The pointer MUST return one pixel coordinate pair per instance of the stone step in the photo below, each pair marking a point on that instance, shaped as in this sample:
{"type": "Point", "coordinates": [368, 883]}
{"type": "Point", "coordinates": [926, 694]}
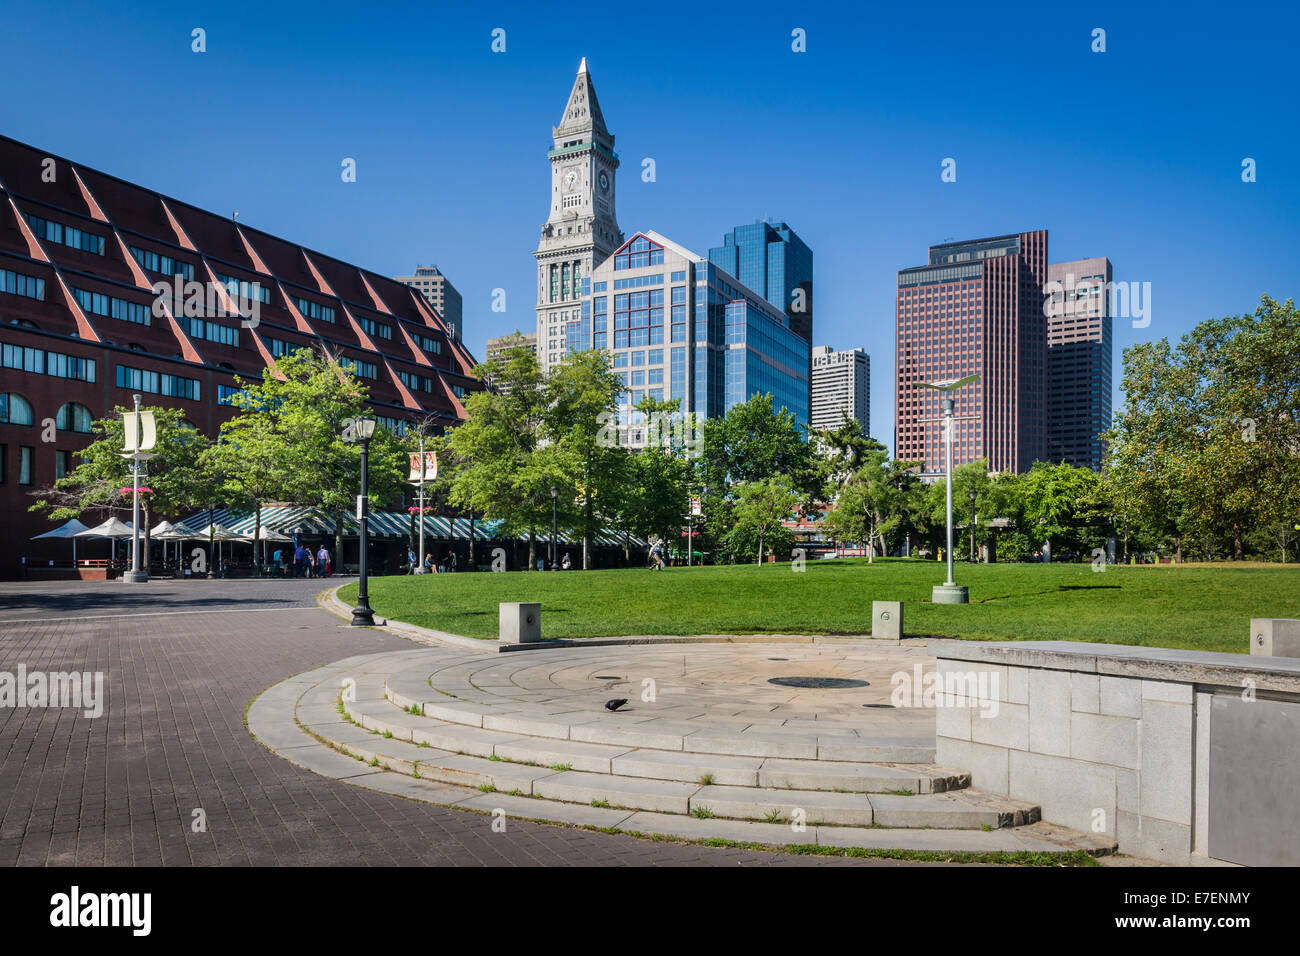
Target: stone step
{"type": "Point", "coordinates": [962, 809]}
{"type": "Point", "coordinates": [834, 742]}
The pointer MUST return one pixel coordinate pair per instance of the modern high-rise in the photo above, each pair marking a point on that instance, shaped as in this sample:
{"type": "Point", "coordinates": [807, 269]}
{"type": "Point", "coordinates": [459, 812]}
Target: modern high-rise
{"type": "Point", "coordinates": [582, 229]}
{"type": "Point", "coordinates": [841, 386]}
{"type": "Point", "coordinates": [1079, 350]}
{"type": "Point", "coordinates": [975, 308]}
{"type": "Point", "coordinates": [440, 293]}
{"type": "Point", "coordinates": [108, 289]}
{"type": "Point", "coordinates": [771, 259]}
{"type": "Point", "coordinates": [679, 327]}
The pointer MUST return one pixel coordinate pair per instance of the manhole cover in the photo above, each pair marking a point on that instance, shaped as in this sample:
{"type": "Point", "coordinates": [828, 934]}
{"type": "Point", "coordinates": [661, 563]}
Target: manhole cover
{"type": "Point", "coordinates": [818, 683]}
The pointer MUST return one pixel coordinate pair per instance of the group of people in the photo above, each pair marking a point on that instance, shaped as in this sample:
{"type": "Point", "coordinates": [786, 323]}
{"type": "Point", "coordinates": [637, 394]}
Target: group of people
{"type": "Point", "coordinates": [305, 562]}
{"type": "Point", "coordinates": [447, 564]}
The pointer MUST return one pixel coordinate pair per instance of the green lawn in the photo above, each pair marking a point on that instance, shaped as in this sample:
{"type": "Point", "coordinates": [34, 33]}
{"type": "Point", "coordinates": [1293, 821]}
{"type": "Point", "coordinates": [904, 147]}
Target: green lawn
{"type": "Point", "coordinates": [1194, 607]}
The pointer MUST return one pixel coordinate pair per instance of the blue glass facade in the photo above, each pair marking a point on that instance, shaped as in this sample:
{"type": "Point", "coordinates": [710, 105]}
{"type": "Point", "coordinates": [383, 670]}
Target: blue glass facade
{"type": "Point", "coordinates": [680, 327]}
{"type": "Point", "coordinates": [771, 259]}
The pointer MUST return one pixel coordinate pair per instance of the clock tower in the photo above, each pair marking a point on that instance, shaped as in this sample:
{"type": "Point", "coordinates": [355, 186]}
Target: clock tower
{"type": "Point", "coordinates": [581, 230]}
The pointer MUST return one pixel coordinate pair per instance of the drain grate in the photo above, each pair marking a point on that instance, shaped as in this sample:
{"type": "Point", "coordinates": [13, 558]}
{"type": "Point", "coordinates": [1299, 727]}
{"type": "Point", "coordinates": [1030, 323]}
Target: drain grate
{"type": "Point", "coordinates": [885, 706]}
{"type": "Point", "coordinates": [818, 683]}
{"type": "Point", "coordinates": [605, 677]}
{"type": "Point", "coordinates": [778, 658]}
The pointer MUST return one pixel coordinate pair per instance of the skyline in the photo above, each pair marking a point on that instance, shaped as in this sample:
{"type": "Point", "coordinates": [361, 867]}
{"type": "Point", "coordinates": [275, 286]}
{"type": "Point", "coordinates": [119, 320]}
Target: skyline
{"type": "Point", "coordinates": [1156, 188]}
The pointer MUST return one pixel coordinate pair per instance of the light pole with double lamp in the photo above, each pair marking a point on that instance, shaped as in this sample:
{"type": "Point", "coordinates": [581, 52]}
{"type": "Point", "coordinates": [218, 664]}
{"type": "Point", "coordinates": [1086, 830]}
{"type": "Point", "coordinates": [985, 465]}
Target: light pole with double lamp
{"type": "Point", "coordinates": [555, 495]}
{"type": "Point", "coordinates": [949, 592]}
{"type": "Point", "coordinates": [362, 429]}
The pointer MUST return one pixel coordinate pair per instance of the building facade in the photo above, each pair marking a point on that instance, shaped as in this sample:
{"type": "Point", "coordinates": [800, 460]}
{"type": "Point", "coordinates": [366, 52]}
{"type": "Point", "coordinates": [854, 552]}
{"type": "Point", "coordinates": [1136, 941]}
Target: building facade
{"type": "Point", "coordinates": [96, 304]}
{"type": "Point", "coordinates": [771, 259]}
{"type": "Point", "coordinates": [975, 308]}
{"type": "Point", "coordinates": [841, 386]}
{"type": "Point", "coordinates": [678, 327]}
{"type": "Point", "coordinates": [441, 294]}
{"type": "Point", "coordinates": [1079, 359]}
{"type": "Point", "coordinates": [582, 228]}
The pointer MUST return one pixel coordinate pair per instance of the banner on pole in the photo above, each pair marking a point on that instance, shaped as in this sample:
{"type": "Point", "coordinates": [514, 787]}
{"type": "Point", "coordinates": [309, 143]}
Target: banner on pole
{"type": "Point", "coordinates": [695, 506]}
{"type": "Point", "coordinates": [430, 470]}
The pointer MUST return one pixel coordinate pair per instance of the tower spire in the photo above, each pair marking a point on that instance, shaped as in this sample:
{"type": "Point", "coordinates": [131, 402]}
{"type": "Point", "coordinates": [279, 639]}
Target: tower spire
{"type": "Point", "coordinates": [582, 113]}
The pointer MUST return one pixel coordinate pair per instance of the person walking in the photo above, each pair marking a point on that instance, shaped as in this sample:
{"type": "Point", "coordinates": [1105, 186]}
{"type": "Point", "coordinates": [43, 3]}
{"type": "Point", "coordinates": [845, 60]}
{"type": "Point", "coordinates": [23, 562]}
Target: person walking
{"type": "Point", "coordinates": [299, 562]}
{"type": "Point", "coordinates": [322, 561]}
{"type": "Point", "coordinates": [657, 555]}
{"type": "Point", "coordinates": [410, 561]}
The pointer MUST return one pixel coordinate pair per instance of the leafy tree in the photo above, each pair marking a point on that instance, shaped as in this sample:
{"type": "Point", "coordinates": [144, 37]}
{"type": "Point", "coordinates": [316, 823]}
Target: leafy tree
{"type": "Point", "coordinates": [292, 422]}
{"type": "Point", "coordinates": [760, 508]}
{"type": "Point", "coordinates": [506, 469]}
{"type": "Point", "coordinates": [175, 475]}
{"type": "Point", "coordinates": [581, 402]}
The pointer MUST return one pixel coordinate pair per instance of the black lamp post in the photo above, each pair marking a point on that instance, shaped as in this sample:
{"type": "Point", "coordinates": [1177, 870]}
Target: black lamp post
{"type": "Point", "coordinates": [362, 430]}
{"type": "Point", "coordinates": [972, 493]}
{"type": "Point", "coordinates": [555, 495]}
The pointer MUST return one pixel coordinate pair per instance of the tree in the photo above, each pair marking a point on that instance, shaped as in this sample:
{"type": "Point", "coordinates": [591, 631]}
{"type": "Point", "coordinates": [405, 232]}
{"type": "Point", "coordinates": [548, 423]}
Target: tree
{"type": "Point", "coordinates": [293, 418]}
{"type": "Point", "coordinates": [875, 500]}
{"type": "Point", "coordinates": [506, 471]}
{"type": "Point", "coordinates": [1206, 444]}
{"type": "Point", "coordinates": [581, 400]}
{"type": "Point", "coordinates": [175, 475]}
{"type": "Point", "coordinates": [761, 506]}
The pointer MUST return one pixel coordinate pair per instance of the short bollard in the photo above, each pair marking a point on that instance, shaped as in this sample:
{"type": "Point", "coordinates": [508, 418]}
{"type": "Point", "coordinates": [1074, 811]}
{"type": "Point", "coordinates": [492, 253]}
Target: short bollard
{"type": "Point", "coordinates": [887, 620]}
{"type": "Point", "coordinates": [1275, 636]}
{"type": "Point", "coordinates": [519, 623]}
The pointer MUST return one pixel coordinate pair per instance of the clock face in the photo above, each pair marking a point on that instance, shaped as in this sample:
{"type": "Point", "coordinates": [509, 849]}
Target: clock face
{"type": "Point", "coordinates": [604, 181]}
{"type": "Point", "coordinates": [571, 179]}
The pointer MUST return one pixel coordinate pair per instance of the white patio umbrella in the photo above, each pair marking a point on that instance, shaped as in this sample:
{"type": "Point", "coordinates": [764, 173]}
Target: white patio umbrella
{"type": "Point", "coordinates": [216, 532]}
{"type": "Point", "coordinates": [268, 534]}
{"type": "Point", "coordinates": [111, 529]}
{"type": "Point", "coordinates": [69, 530]}
{"type": "Point", "coordinates": [160, 532]}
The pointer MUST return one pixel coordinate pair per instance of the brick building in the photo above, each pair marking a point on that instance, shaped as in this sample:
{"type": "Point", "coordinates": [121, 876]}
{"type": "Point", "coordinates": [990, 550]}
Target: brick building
{"type": "Point", "coordinates": [82, 329]}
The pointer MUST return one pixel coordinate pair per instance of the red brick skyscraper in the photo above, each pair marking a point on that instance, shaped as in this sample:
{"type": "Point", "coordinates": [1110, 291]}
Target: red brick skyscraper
{"type": "Point", "coordinates": [976, 307]}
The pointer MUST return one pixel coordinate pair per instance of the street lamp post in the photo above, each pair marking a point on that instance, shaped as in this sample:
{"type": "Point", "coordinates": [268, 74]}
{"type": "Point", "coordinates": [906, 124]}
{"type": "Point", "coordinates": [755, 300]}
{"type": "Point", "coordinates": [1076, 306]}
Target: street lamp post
{"type": "Point", "coordinates": [949, 592]}
{"type": "Point", "coordinates": [138, 432]}
{"type": "Point", "coordinates": [362, 429]}
{"type": "Point", "coordinates": [972, 494]}
{"type": "Point", "coordinates": [419, 568]}
{"type": "Point", "coordinates": [555, 495]}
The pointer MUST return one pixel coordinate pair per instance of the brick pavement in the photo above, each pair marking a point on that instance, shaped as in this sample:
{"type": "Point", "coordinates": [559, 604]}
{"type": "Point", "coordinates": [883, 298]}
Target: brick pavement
{"type": "Point", "coordinates": [181, 662]}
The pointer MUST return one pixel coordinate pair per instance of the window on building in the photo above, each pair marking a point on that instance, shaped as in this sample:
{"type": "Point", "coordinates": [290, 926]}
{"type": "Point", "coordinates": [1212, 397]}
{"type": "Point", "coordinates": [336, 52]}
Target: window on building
{"type": "Point", "coordinates": [73, 417]}
{"type": "Point", "coordinates": [26, 458]}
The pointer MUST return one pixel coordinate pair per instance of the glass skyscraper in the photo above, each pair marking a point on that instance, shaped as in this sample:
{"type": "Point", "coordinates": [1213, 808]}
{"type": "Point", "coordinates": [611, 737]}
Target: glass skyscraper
{"type": "Point", "coordinates": [679, 327]}
{"type": "Point", "coordinates": [771, 259]}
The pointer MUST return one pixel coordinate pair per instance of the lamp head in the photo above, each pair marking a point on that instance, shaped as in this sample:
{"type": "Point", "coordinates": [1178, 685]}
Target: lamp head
{"type": "Point", "coordinates": [365, 427]}
{"type": "Point", "coordinates": [555, 492]}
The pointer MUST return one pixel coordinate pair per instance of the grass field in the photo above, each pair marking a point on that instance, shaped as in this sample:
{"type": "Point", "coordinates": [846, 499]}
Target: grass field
{"type": "Point", "coordinates": [1204, 607]}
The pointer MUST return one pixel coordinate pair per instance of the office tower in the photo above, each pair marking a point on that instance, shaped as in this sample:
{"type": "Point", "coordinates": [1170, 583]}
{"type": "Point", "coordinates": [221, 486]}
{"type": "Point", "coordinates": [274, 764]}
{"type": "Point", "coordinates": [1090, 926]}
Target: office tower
{"type": "Point", "coordinates": [582, 228]}
{"type": "Point", "coordinates": [841, 385]}
{"type": "Point", "coordinates": [678, 327]}
{"type": "Point", "coordinates": [1078, 360]}
{"type": "Point", "coordinates": [975, 308]}
{"type": "Point", "coordinates": [771, 259]}
{"type": "Point", "coordinates": [440, 293]}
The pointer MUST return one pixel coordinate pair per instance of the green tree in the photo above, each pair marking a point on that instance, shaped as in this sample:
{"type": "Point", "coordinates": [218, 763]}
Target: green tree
{"type": "Point", "coordinates": [175, 474]}
{"type": "Point", "coordinates": [581, 401]}
{"type": "Point", "coordinates": [760, 508]}
{"type": "Point", "coordinates": [292, 421]}
{"type": "Point", "coordinates": [505, 470]}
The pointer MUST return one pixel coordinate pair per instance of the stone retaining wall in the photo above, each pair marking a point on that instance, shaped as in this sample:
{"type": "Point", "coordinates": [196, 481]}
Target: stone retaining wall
{"type": "Point", "coordinates": [1116, 740]}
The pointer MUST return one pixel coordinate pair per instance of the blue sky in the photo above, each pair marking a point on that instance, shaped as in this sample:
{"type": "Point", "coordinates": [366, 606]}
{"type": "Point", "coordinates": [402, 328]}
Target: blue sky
{"type": "Point", "coordinates": [1134, 153]}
